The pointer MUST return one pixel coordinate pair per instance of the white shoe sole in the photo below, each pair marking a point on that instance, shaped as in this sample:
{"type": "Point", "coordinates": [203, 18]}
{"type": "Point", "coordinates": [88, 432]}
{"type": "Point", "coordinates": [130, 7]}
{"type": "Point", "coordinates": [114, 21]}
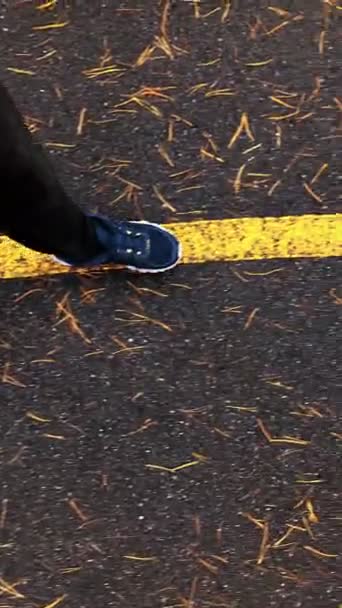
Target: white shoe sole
{"type": "Point", "coordinates": [133, 268]}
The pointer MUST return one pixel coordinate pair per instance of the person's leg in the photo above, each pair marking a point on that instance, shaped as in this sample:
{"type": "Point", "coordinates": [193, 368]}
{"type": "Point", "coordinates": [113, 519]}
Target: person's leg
{"type": "Point", "coordinates": [35, 211]}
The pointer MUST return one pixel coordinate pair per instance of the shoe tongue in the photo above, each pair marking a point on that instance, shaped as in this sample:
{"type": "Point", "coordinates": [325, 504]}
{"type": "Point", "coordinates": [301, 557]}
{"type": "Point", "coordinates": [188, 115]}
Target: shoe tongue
{"type": "Point", "coordinates": [123, 240]}
{"type": "Point", "coordinates": [115, 237]}
{"type": "Point", "coordinates": [132, 242]}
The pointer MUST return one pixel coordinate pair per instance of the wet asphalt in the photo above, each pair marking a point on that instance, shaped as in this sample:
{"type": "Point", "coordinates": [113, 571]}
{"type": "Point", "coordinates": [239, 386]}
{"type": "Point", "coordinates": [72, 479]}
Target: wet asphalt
{"type": "Point", "coordinates": [110, 383]}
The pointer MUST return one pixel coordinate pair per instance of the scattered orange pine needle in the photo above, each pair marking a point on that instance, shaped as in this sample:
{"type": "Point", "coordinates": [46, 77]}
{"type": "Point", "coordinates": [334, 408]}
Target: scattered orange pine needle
{"type": "Point", "coordinates": [128, 349]}
{"type": "Point", "coordinates": [164, 18]}
{"type": "Point", "coordinates": [205, 154]}
{"type": "Point", "coordinates": [200, 457]}
{"type": "Point", "coordinates": [187, 122]}
{"type": "Point", "coordinates": [304, 116]}
{"type": "Point", "coordinates": [180, 467]}
{"type": "Point", "coordinates": [197, 87]}
{"type": "Point", "coordinates": [252, 148]}
{"type": "Point", "coordinates": [280, 384]}
{"type": "Point", "coordinates": [274, 187]}
{"type": "Point", "coordinates": [284, 537]}
{"type": "Point", "coordinates": [52, 436]}
{"type": "Point", "coordinates": [258, 64]}
{"type": "Point", "coordinates": [81, 120]}
{"type": "Point", "coordinates": [95, 353]}
{"type": "Point", "coordinates": [64, 308]}
{"type": "Point", "coordinates": [294, 527]}
{"type": "Point", "coordinates": [189, 603]}
{"type": "Point", "coordinates": [47, 55]}
{"type": "Point", "coordinates": [70, 570]}
{"type": "Point", "coordinates": [257, 522]}
{"type": "Point", "coordinates": [7, 378]}
{"type": "Point", "coordinates": [321, 42]}
{"type": "Point", "coordinates": [319, 553]}
{"type": "Point", "coordinates": [219, 93]}
{"type": "Point", "coordinates": [220, 559]}
{"type": "Point", "coordinates": [243, 126]}
{"type": "Point", "coordinates": [309, 481]}
{"type": "Point", "coordinates": [137, 317]}
{"type": "Point", "coordinates": [307, 526]}
{"type": "Point", "coordinates": [145, 55]}
{"type": "Point", "coordinates": [48, 4]}
{"type": "Point", "coordinates": [240, 276]}
{"type": "Point", "coordinates": [281, 102]}
{"type": "Point", "coordinates": [237, 181]}
{"type": "Point", "coordinates": [263, 274]}
{"type": "Point", "coordinates": [284, 23]}
{"type": "Point", "coordinates": [196, 5]}
{"type": "Point", "coordinates": [165, 203]}
{"type": "Point", "coordinates": [198, 187]}
{"type": "Point", "coordinates": [197, 525]}
{"type": "Point", "coordinates": [165, 155]}
{"type": "Point", "coordinates": [336, 298]}
{"type": "Point", "coordinates": [285, 439]}
{"type": "Point", "coordinates": [143, 290]}
{"type": "Point", "coordinates": [278, 27]}
{"type": "Point", "coordinates": [221, 432]}
{"type": "Point", "coordinates": [33, 124]}
{"type": "Point", "coordinates": [50, 26]}
{"type": "Point", "coordinates": [209, 13]}
{"type": "Point", "coordinates": [236, 310]}
{"type": "Point", "coordinates": [264, 545]}
{"type": "Point", "coordinates": [313, 194]}
{"type": "Point", "coordinates": [92, 73]}
{"type": "Point", "coordinates": [21, 71]}
{"type": "Point", "coordinates": [56, 602]}
{"type": "Point", "coordinates": [138, 558]}
{"type": "Point", "coordinates": [211, 142]}
{"type": "Point", "coordinates": [250, 318]}
{"type": "Point", "coordinates": [143, 104]}
{"type": "Point", "coordinates": [242, 408]}
{"type": "Point", "coordinates": [170, 130]}
{"type": "Point", "coordinates": [213, 569]}
{"type": "Point", "coordinates": [210, 62]}
{"type": "Point", "coordinates": [146, 425]}
{"type": "Point", "coordinates": [119, 342]}
{"type": "Point", "coordinates": [307, 412]}
{"type": "Point", "coordinates": [163, 43]}
{"type": "Point", "coordinates": [56, 144]}
{"type": "Point", "coordinates": [227, 4]}
{"type": "Point", "coordinates": [278, 11]}
{"type": "Point", "coordinates": [318, 173]}
{"type": "Point", "coordinates": [313, 518]}
{"type": "Point", "coordinates": [128, 182]}
{"type": "Point", "coordinates": [36, 417]}
{"type": "Point", "coordinates": [74, 506]}
{"type": "Point", "coordinates": [10, 589]}
{"type": "Point", "coordinates": [154, 92]}
{"type": "Point", "coordinates": [3, 514]}
{"type": "Point", "coordinates": [89, 295]}
{"type": "Point", "coordinates": [26, 294]}
{"type": "Point", "coordinates": [283, 116]}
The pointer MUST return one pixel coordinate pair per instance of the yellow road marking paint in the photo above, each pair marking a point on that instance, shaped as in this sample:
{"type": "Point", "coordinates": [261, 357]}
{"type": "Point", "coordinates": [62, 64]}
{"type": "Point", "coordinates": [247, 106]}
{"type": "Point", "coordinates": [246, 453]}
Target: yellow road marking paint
{"type": "Point", "coordinates": [304, 236]}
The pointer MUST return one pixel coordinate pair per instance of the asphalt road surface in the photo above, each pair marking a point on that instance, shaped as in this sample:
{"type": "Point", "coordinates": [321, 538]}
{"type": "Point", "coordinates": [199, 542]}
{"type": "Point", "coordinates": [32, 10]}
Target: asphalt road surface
{"type": "Point", "coordinates": [176, 441]}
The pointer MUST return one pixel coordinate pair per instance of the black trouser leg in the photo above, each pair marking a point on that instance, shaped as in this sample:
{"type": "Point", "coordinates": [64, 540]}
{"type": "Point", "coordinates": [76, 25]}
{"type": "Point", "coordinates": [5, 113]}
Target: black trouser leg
{"type": "Point", "coordinates": [34, 209]}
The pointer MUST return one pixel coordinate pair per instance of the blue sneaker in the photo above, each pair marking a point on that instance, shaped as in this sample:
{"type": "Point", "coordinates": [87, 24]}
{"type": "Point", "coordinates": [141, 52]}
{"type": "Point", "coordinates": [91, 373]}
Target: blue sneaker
{"type": "Point", "coordinates": [138, 246]}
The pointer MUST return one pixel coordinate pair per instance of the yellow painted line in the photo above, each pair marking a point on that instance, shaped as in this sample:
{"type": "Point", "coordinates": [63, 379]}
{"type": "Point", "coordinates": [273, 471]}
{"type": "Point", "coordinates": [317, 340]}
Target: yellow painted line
{"type": "Point", "coordinates": [304, 236]}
